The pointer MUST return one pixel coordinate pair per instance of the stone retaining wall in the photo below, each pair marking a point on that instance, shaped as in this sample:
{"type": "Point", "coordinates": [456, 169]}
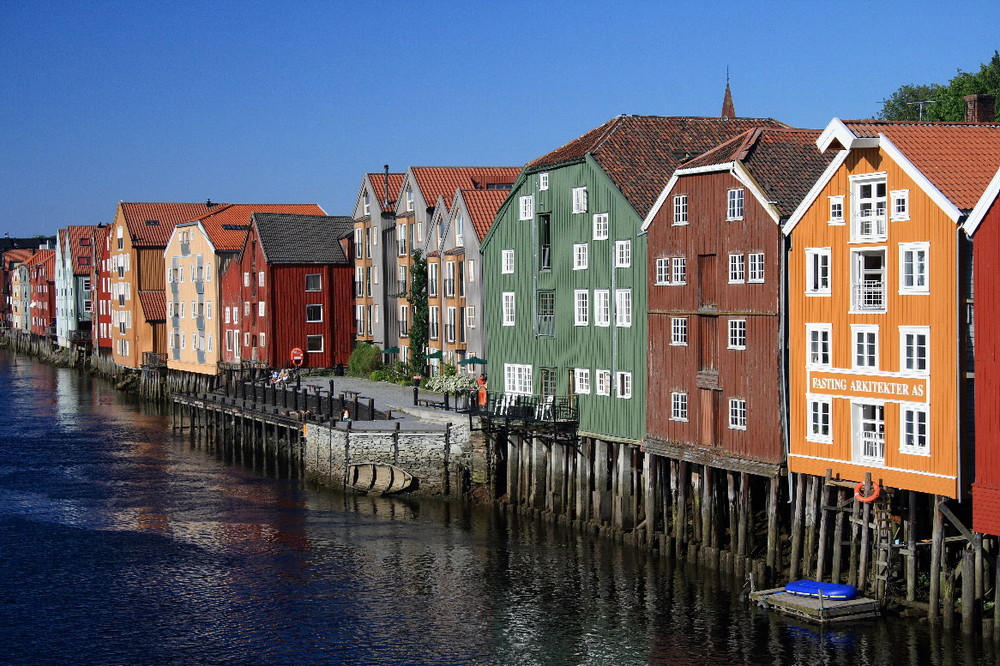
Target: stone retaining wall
{"type": "Point", "coordinates": [439, 458]}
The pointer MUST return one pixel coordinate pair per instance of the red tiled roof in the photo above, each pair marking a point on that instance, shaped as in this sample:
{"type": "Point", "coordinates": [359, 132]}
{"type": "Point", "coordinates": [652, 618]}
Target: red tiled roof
{"type": "Point", "coordinates": [40, 257]}
{"type": "Point", "coordinates": [227, 225]}
{"type": "Point", "coordinates": [483, 206]}
{"type": "Point", "coordinates": [165, 215]}
{"type": "Point", "coordinates": [437, 182]}
{"type": "Point", "coordinates": [785, 162]}
{"type": "Point", "coordinates": [640, 153]}
{"type": "Point", "coordinates": [959, 159]}
{"type": "Point", "coordinates": [76, 234]}
{"type": "Point", "coordinates": [154, 305]}
{"type": "Point", "coordinates": [16, 256]}
{"type": "Point", "coordinates": [378, 185]}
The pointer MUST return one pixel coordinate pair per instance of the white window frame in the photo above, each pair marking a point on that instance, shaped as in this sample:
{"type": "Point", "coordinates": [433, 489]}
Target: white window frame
{"type": "Point", "coordinates": [470, 316]}
{"type": "Point", "coordinates": [623, 384]}
{"type": "Point", "coordinates": [837, 210]}
{"type": "Point", "coordinates": [581, 307]}
{"type": "Point", "coordinates": [527, 207]}
{"type": "Point", "coordinates": [623, 253]}
{"type": "Point", "coordinates": [864, 330]}
{"type": "Point", "coordinates": [737, 334]}
{"type": "Point", "coordinates": [857, 443]}
{"type": "Point", "coordinates": [905, 347]}
{"type": "Point", "coordinates": [581, 256]}
{"type": "Point", "coordinates": [315, 305]}
{"type": "Point", "coordinates": [581, 381]}
{"type": "Point", "coordinates": [601, 226]}
{"type": "Point", "coordinates": [899, 205]}
{"type": "Point", "coordinates": [517, 378]}
{"type": "Point", "coordinates": [735, 201]}
{"type": "Point", "coordinates": [818, 271]}
{"type": "Point", "coordinates": [908, 253]}
{"type": "Point", "coordinates": [322, 343]}
{"type": "Point", "coordinates": [579, 200]}
{"type": "Point", "coordinates": [680, 210]}
{"type": "Point", "coordinates": [819, 345]}
{"type": "Point", "coordinates": [905, 410]}
{"type": "Point", "coordinates": [434, 322]}
{"type": "Point", "coordinates": [543, 180]}
{"type": "Point", "coordinates": [602, 307]}
{"type": "Point", "coordinates": [819, 414]}
{"type": "Point", "coordinates": [260, 278]}
{"type": "Point", "coordinates": [507, 262]}
{"type": "Point", "coordinates": [678, 406]}
{"type": "Point", "coordinates": [737, 414]}
{"type": "Point", "coordinates": [623, 308]}
{"type": "Point", "coordinates": [880, 228]}
{"type": "Point", "coordinates": [755, 267]}
{"type": "Point", "coordinates": [678, 270]}
{"type": "Point", "coordinates": [602, 382]}
{"type": "Point", "coordinates": [678, 331]}
{"type": "Point", "coordinates": [662, 276]}
{"type": "Point", "coordinates": [509, 308]}
{"type": "Point", "coordinates": [737, 269]}
{"type": "Point", "coordinates": [260, 309]}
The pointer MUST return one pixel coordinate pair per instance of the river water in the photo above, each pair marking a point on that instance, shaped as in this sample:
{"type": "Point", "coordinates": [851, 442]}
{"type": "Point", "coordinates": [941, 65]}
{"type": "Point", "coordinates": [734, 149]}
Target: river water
{"type": "Point", "coordinates": [122, 544]}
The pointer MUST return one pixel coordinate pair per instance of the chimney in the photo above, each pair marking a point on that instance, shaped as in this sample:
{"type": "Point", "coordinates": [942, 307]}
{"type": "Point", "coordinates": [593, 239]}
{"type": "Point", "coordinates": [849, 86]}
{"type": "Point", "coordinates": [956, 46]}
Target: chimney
{"type": "Point", "coordinates": [980, 108]}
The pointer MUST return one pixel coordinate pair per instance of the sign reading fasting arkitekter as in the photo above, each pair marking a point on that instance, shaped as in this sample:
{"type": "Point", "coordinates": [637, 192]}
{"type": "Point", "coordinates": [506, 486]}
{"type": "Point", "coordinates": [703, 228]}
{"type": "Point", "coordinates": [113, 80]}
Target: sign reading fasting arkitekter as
{"type": "Point", "coordinates": [850, 384]}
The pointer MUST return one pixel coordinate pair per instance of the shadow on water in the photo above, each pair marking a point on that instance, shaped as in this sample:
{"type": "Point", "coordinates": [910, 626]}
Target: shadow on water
{"type": "Point", "coordinates": [122, 543]}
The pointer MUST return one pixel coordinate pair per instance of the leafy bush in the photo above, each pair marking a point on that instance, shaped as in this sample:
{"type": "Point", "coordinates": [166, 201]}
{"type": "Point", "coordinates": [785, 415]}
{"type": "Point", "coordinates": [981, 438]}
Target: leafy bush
{"type": "Point", "coordinates": [378, 376]}
{"type": "Point", "coordinates": [448, 369]}
{"type": "Point", "coordinates": [364, 360]}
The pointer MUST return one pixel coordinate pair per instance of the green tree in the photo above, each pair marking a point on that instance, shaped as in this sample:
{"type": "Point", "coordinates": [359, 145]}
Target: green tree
{"type": "Point", "coordinates": [417, 298]}
{"type": "Point", "coordinates": [905, 103]}
{"type": "Point", "coordinates": [948, 100]}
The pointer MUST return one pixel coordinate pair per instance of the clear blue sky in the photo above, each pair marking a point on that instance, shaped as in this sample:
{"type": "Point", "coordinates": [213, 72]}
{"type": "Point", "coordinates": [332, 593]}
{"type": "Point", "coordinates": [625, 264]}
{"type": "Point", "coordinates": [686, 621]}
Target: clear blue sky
{"type": "Point", "coordinates": [275, 102]}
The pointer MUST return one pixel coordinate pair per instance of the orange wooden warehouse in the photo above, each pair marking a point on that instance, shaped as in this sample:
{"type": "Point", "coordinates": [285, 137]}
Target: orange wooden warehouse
{"type": "Point", "coordinates": [877, 296]}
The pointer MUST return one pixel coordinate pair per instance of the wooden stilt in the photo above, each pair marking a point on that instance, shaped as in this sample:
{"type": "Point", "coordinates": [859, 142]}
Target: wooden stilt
{"type": "Point", "coordinates": [838, 536]}
{"type": "Point", "coordinates": [948, 599]}
{"type": "Point", "coordinates": [911, 547]}
{"type": "Point", "coordinates": [810, 524]}
{"type": "Point", "coordinates": [680, 509]}
{"type": "Point", "coordinates": [866, 516]}
{"type": "Point", "coordinates": [733, 512]}
{"type": "Point", "coordinates": [798, 506]}
{"type": "Point", "coordinates": [772, 526]}
{"type": "Point", "coordinates": [707, 522]}
{"type": "Point", "coordinates": [968, 591]}
{"type": "Point", "coordinates": [937, 538]}
{"type": "Point", "coordinates": [996, 599]}
{"type": "Point", "coordinates": [745, 511]}
{"type": "Point", "coordinates": [821, 550]}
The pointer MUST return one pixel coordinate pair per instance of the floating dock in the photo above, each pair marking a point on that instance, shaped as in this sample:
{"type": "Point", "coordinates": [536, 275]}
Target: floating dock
{"type": "Point", "coordinates": [822, 611]}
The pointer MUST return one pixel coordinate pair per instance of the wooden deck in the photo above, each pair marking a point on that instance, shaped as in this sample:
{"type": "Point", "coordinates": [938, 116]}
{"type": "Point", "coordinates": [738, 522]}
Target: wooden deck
{"type": "Point", "coordinates": [821, 611]}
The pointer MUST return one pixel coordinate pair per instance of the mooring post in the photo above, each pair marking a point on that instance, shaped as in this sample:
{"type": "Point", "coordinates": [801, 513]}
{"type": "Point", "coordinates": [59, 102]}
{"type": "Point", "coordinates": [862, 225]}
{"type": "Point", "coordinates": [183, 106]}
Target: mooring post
{"type": "Point", "coordinates": [838, 535]}
{"type": "Point", "coordinates": [371, 409]}
{"type": "Point", "coordinates": [866, 515]}
{"type": "Point", "coordinates": [911, 546]}
{"type": "Point", "coordinates": [821, 550]}
{"type": "Point", "coordinates": [810, 523]}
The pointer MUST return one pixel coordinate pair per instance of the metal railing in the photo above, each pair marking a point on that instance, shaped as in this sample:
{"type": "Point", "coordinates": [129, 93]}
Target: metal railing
{"type": "Point", "coordinates": [154, 360]}
{"type": "Point", "coordinates": [532, 408]}
{"type": "Point", "coordinates": [871, 226]}
{"type": "Point", "coordinates": [869, 295]}
{"type": "Point", "coordinates": [873, 445]}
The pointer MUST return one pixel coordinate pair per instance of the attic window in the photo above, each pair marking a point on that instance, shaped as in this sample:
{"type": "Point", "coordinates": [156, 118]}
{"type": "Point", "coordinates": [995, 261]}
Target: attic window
{"type": "Point", "coordinates": [152, 223]}
{"type": "Point", "coordinates": [84, 241]}
{"type": "Point", "coordinates": [235, 227]}
{"type": "Point", "coordinates": [499, 186]}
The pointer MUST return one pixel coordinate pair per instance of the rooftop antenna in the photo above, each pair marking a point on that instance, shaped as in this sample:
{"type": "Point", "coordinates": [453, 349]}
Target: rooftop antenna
{"type": "Point", "coordinates": [920, 106]}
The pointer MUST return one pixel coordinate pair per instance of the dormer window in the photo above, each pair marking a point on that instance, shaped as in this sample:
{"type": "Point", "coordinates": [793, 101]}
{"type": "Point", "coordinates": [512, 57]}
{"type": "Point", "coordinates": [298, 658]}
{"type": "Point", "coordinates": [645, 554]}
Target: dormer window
{"type": "Point", "coordinates": [459, 230]}
{"type": "Point", "coordinates": [367, 205]}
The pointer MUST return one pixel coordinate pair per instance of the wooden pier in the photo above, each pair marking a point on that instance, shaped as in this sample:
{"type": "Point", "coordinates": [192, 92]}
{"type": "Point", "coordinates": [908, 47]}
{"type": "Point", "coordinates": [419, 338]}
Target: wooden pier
{"type": "Point", "coordinates": [818, 610]}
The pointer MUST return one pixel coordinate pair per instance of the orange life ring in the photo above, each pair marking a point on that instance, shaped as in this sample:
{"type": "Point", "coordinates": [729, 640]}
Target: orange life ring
{"type": "Point", "coordinates": [858, 489]}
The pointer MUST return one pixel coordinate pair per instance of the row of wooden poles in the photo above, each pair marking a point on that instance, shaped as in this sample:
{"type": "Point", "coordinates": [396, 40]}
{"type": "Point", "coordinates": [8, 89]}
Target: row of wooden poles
{"type": "Point", "coordinates": [903, 547]}
{"type": "Point", "coordinates": [271, 445]}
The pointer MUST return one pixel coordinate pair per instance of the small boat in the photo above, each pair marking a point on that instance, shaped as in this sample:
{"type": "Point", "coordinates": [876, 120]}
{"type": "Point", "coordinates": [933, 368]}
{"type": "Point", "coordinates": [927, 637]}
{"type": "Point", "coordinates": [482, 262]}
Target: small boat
{"type": "Point", "coordinates": [378, 478]}
{"type": "Point", "coordinates": [819, 590]}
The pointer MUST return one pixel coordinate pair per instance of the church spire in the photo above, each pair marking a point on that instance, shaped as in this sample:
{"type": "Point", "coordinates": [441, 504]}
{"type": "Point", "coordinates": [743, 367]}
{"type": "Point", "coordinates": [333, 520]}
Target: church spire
{"type": "Point", "coordinates": [728, 110]}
